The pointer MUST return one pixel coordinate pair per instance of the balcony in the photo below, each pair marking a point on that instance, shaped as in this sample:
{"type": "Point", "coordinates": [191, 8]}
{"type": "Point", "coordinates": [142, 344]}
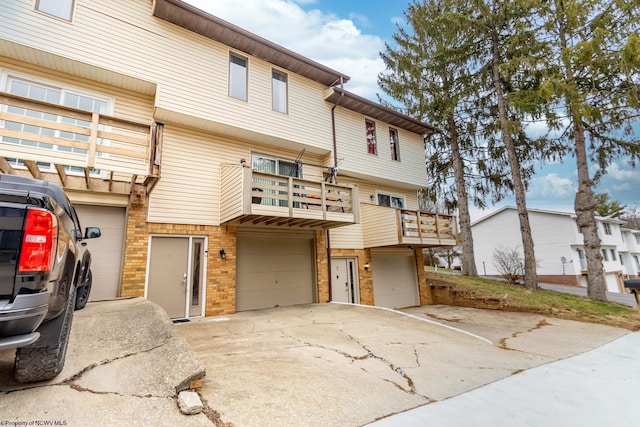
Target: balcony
{"type": "Point", "coordinates": [257, 199]}
{"type": "Point", "coordinates": [78, 149]}
{"type": "Point", "coordinates": [383, 226]}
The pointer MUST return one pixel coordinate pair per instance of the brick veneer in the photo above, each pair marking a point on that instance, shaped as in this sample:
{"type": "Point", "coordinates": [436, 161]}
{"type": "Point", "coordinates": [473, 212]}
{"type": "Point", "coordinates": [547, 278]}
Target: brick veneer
{"type": "Point", "coordinates": [221, 274]}
{"type": "Point", "coordinates": [365, 277]}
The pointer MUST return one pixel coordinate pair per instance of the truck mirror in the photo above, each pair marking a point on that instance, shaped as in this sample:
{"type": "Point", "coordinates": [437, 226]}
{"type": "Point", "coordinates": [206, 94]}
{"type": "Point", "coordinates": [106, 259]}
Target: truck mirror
{"type": "Point", "coordinates": [92, 233]}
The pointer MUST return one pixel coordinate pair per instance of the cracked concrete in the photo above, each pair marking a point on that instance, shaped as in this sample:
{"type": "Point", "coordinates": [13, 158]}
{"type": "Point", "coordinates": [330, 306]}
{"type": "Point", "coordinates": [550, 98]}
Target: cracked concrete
{"type": "Point", "coordinates": [332, 364]}
{"type": "Point", "coordinates": [125, 363]}
{"type": "Point", "coordinates": [322, 364]}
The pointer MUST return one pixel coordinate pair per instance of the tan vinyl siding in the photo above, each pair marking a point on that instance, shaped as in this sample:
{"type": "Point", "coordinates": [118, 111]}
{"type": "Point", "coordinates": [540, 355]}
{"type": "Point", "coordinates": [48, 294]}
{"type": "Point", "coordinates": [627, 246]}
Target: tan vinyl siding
{"type": "Point", "coordinates": [353, 236]}
{"type": "Point", "coordinates": [122, 36]}
{"type": "Point", "coordinates": [349, 237]}
{"type": "Point", "coordinates": [352, 148]}
{"type": "Point", "coordinates": [189, 190]}
{"type": "Point", "coordinates": [127, 105]}
{"type": "Point", "coordinates": [367, 188]}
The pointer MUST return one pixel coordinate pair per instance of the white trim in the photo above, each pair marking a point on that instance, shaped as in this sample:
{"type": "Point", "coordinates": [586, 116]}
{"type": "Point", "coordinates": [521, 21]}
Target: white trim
{"type": "Point", "coordinates": [190, 238]}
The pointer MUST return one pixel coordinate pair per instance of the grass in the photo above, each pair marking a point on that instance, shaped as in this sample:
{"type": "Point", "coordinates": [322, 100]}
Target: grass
{"type": "Point", "coordinates": [555, 304]}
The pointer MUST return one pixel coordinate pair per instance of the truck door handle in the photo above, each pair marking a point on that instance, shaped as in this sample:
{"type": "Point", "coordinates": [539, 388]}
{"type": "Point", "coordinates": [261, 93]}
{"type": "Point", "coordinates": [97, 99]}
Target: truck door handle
{"type": "Point", "coordinates": [184, 279]}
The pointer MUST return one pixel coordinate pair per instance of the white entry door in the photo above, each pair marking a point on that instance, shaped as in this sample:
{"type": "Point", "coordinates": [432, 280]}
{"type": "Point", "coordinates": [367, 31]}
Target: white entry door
{"type": "Point", "coordinates": [344, 280]}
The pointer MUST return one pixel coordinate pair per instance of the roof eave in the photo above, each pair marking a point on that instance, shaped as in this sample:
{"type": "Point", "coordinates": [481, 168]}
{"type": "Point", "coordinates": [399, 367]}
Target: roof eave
{"type": "Point", "coordinates": [377, 111]}
{"type": "Point", "coordinates": [193, 19]}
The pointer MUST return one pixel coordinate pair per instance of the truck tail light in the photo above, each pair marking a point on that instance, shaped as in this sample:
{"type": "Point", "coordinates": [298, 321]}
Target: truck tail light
{"type": "Point", "coordinates": [39, 241]}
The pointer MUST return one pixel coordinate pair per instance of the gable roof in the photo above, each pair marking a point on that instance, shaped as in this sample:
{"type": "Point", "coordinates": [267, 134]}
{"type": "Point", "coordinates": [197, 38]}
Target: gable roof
{"type": "Point", "coordinates": [191, 18]}
{"type": "Point", "coordinates": [374, 110]}
{"type": "Point", "coordinates": [547, 212]}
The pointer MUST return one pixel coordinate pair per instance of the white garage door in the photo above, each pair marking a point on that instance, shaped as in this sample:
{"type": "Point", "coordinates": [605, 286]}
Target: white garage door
{"type": "Point", "coordinates": [394, 279]}
{"type": "Point", "coordinates": [106, 251]}
{"type": "Point", "coordinates": [274, 271]}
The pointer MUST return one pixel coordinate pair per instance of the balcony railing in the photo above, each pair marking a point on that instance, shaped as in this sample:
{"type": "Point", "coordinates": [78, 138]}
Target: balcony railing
{"type": "Point", "coordinates": [250, 198]}
{"type": "Point", "coordinates": [48, 138]}
{"type": "Point", "coordinates": [384, 226]}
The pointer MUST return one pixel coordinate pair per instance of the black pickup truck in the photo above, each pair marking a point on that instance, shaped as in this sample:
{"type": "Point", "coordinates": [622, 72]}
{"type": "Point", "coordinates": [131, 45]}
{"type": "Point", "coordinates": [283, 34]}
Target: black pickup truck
{"type": "Point", "coordinates": [44, 274]}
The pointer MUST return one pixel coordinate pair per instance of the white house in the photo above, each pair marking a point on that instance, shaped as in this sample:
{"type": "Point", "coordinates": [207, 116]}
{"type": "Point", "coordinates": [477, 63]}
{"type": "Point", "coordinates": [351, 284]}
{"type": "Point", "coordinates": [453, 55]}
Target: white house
{"type": "Point", "coordinates": [559, 246]}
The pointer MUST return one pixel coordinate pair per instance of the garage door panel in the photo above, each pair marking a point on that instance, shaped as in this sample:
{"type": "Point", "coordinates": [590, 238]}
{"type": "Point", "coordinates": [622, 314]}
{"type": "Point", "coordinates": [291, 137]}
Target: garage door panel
{"type": "Point", "coordinates": [106, 251]}
{"type": "Point", "coordinates": [274, 271]}
{"type": "Point", "coordinates": [394, 280]}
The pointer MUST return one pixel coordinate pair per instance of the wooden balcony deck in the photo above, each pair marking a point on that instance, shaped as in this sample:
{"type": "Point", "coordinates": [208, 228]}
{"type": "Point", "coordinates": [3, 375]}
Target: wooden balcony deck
{"type": "Point", "coordinates": [250, 198]}
{"type": "Point", "coordinates": [384, 226]}
{"type": "Point", "coordinates": [78, 149]}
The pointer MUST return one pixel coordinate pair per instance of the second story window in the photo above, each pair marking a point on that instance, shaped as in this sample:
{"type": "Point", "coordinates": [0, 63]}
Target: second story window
{"type": "Point", "coordinates": [279, 91]}
{"type": "Point", "coordinates": [393, 144]}
{"type": "Point", "coordinates": [607, 228]}
{"type": "Point", "coordinates": [372, 146]}
{"type": "Point", "coordinates": [59, 8]}
{"type": "Point", "coordinates": [238, 77]}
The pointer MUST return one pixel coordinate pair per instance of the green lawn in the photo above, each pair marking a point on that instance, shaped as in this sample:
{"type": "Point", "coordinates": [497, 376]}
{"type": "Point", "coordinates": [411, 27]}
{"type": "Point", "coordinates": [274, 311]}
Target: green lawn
{"type": "Point", "coordinates": [556, 304]}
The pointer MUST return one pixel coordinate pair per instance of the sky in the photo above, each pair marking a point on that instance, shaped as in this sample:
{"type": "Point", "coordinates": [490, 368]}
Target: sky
{"type": "Point", "coordinates": [348, 36]}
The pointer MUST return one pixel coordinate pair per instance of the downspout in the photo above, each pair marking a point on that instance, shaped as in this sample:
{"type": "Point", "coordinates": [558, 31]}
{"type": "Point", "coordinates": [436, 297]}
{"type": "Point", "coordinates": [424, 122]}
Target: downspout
{"type": "Point", "coordinates": [334, 174]}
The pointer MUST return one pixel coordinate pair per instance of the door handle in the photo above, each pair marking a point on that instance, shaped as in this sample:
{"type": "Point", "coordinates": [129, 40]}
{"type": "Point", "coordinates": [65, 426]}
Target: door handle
{"type": "Point", "coordinates": [184, 279]}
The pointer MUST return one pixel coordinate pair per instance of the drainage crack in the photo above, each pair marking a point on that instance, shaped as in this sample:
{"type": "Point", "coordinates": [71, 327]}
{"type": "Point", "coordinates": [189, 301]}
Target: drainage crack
{"type": "Point", "coordinates": [503, 341]}
{"type": "Point", "coordinates": [81, 389]}
{"type": "Point", "coordinates": [214, 416]}
{"type": "Point", "coordinates": [104, 362]}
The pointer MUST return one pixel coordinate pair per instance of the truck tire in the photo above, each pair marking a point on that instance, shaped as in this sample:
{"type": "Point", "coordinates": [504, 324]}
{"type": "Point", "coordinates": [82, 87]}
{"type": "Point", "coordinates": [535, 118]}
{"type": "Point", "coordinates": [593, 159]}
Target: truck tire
{"type": "Point", "coordinates": [83, 292]}
{"type": "Point", "coordinates": [40, 363]}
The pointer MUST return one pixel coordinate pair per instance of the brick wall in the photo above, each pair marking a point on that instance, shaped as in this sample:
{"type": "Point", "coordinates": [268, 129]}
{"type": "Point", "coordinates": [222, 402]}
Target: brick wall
{"type": "Point", "coordinates": [322, 267]}
{"type": "Point", "coordinates": [424, 289]}
{"type": "Point", "coordinates": [221, 274]}
{"type": "Point", "coordinates": [365, 277]}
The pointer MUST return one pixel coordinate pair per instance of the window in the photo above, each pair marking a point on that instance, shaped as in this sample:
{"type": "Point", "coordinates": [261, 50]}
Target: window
{"type": "Point", "coordinates": [277, 167]}
{"type": "Point", "coordinates": [621, 260]}
{"type": "Point", "coordinates": [238, 77]}
{"type": "Point", "coordinates": [372, 146]}
{"type": "Point", "coordinates": [59, 8]}
{"type": "Point", "coordinates": [635, 257]}
{"type": "Point", "coordinates": [604, 255]}
{"type": "Point", "coordinates": [390, 201]}
{"type": "Point", "coordinates": [279, 90]}
{"type": "Point", "coordinates": [613, 254]}
{"type": "Point", "coordinates": [56, 95]}
{"type": "Point", "coordinates": [607, 228]}
{"type": "Point", "coordinates": [393, 142]}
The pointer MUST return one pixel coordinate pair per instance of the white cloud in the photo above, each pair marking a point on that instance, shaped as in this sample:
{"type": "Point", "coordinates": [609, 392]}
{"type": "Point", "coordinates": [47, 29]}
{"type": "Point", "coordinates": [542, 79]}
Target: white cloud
{"type": "Point", "coordinates": [615, 172]}
{"type": "Point", "coordinates": [326, 38]}
{"type": "Point", "coordinates": [552, 186]}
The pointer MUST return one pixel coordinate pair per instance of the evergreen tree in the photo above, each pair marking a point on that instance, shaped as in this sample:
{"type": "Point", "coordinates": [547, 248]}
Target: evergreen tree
{"type": "Point", "coordinates": [594, 76]}
{"type": "Point", "coordinates": [428, 74]}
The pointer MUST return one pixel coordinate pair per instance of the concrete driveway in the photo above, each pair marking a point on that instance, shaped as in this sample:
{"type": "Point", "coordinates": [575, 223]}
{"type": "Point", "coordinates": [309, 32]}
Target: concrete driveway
{"type": "Point", "coordinates": [333, 364]}
{"type": "Point", "coordinates": [313, 365]}
{"type": "Point", "coordinates": [125, 361]}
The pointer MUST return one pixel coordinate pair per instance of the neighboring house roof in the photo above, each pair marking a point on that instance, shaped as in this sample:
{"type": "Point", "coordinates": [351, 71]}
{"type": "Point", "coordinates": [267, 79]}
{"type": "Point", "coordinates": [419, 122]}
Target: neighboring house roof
{"type": "Point", "coordinates": [543, 211]}
{"type": "Point", "coordinates": [374, 110]}
{"type": "Point", "coordinates": [210, 26]}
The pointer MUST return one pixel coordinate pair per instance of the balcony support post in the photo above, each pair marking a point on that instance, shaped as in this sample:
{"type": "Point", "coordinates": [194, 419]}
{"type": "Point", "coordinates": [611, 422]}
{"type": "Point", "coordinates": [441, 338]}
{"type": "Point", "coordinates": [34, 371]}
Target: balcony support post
{"type": "Point", "coordinates": [290, 197]}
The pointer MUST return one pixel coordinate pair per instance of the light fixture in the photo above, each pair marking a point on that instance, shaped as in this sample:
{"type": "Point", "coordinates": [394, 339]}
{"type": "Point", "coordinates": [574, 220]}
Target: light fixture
{"type": "Point", "coordinates": [223, 254]}
{"type": "Point", "coordinates": [242, 162]}
{"type": "Point", "coordinates": [372, 197]}
{"type": "Point", "coordinates": [366, 266]}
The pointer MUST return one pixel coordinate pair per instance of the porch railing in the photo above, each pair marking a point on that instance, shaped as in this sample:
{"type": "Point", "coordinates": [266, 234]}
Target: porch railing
{"type": "Point", "coordinates": [248, 195]}
{"type": "Point", "coordinates": [41, 133]}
